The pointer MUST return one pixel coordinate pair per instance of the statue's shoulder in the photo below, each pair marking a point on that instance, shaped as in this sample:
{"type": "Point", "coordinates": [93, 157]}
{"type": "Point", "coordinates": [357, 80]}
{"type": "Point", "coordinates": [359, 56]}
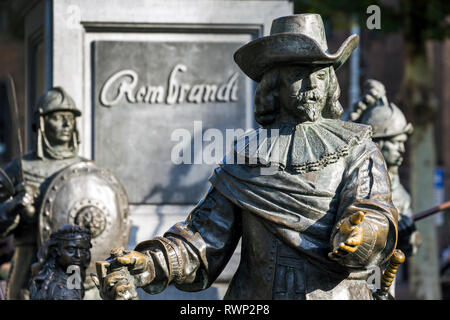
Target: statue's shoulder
{"type": "Point", "coordinates": [53, 288]}
{"type": "Point", "coordinates": [59, 291]}
{"type": "Point", "coordinates": [363, 147]}
{"type": "Point", "coordinates": [358, 136]}
{"type": "Point", "coordinates": [38, 168]}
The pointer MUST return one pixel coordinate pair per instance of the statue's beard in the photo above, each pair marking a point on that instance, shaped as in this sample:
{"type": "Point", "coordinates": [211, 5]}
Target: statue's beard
{"type": "Point", "coordinates": [310, 104]}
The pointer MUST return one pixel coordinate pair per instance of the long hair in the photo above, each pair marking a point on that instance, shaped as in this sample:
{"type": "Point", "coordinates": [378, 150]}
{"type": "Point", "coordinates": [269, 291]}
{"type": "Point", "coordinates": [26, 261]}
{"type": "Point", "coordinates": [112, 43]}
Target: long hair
{"type": "Point", "coordinates": [267, 104]}
{"type": "Point", "coordinates": [43, 270]}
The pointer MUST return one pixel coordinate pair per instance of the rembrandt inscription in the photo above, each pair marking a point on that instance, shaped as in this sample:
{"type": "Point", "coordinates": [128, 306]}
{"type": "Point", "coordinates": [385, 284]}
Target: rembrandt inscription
{"type": "Point", "coordinates": [143, 92]}
{"type": "Point", "coordinates": [129, 88]}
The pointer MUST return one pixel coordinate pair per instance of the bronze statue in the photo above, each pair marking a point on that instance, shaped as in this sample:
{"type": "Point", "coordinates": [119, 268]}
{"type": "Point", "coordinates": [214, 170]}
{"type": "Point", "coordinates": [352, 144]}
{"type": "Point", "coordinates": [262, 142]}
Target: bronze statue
{"type": "Point", "coordinates": [391, 131]}
{"type": "Point", "coordinates": [69, 246]}
{"type": "Point", "coordinates": [314, 227]}
{"type": "Point", "coordinates": [41, 192]}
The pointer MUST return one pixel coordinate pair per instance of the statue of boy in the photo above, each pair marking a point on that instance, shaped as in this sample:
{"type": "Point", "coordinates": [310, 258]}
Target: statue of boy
{"type": "Point", "coordinates": [316, 226]}
{"type": "Point", "coordinates": [66, 255]}
{"type": "Point", "coordinates": [56, 148]}
{"type": "Point", "coordinates": [391, 131]}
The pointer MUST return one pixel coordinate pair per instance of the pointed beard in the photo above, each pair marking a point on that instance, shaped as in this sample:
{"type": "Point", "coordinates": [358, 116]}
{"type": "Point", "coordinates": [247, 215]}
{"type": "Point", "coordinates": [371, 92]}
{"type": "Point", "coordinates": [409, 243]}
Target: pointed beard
{"type": "Point", "coordinates": [311, 111]}
{"type": "Point", "coordinates": [309, 103]}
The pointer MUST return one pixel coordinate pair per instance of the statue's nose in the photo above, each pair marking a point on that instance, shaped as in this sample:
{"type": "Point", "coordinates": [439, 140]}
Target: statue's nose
{"type": "Point", "coordinates": [311, 82]}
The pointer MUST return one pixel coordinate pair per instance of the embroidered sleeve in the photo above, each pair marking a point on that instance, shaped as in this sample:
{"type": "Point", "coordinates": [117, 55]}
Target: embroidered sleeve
{"type": "Point", "coordinates": [193, 253]}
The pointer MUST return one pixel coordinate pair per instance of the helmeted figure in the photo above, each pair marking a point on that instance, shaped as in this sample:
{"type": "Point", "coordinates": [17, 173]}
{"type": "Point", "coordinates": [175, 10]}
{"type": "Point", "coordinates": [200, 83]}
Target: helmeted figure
{"type": "Point", "coordinates": [24, 195]}
{"type": "Point", "coordinates": [391, 131]}
{"type": "Point", "coordinates": [68, 249]}
{"type": "Point", "coordinates": [309, 196]}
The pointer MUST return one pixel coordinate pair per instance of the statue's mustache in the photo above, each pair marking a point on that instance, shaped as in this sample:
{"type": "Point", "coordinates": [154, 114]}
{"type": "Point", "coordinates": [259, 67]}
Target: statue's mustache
{"type": "Point", "coordinates": [307, 96]}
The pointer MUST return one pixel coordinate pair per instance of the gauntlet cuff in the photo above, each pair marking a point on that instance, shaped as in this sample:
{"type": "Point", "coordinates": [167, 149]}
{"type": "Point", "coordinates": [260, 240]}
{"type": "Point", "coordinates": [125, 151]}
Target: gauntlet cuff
{"type": "Point", "coordinates": [173, 258]}
{"type": "Point", "coordinates": [171, 267]}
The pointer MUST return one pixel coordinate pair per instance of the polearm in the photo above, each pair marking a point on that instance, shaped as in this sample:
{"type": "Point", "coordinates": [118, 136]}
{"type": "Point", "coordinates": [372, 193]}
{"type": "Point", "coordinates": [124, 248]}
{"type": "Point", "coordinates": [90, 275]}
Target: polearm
{"type": "Point", "coordinates": [398, 257]}
{"type": "Point", "coordinates": [421, 215]}
{"type": "Point", "coordinates": [29, 210]}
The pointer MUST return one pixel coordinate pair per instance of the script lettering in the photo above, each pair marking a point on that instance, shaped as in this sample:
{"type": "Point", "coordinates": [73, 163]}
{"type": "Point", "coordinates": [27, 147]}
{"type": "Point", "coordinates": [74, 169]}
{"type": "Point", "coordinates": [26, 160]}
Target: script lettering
{"type": "Point", "coordinates": [124, 85]}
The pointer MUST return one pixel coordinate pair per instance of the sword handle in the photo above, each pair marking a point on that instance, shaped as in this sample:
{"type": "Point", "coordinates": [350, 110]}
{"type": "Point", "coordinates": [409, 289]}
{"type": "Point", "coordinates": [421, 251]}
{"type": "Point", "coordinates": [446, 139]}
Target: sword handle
{"type": "Point", "coordinates": [397, 258]}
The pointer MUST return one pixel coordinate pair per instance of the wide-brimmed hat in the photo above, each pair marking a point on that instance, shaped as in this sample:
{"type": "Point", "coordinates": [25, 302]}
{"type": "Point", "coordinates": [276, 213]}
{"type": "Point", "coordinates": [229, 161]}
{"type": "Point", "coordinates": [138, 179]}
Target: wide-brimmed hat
{"type": "Point", "coordinates": [298, 39]}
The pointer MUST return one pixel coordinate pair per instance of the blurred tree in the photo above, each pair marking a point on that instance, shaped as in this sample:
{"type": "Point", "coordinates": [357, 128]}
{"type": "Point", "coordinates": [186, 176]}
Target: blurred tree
{"type": "Point", "coordinates": [418, 21]}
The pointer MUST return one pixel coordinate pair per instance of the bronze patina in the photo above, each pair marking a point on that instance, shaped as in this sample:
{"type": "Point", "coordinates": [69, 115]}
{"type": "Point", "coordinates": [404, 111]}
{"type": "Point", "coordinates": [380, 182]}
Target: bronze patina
{"type": "Point", "coordinates": [391, 131]}
{"type": "Point", "coordinates": [68, 246]}
{"type": "Point", "coordinates": [57, 184]}
{"type": "Point", "coordinates": [311, 229]}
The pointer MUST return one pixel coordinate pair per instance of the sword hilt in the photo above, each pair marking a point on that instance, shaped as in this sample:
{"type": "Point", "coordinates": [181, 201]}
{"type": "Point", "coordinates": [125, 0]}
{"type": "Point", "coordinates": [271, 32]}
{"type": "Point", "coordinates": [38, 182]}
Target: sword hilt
{"type": "Point", "coordinates": [397, 258]}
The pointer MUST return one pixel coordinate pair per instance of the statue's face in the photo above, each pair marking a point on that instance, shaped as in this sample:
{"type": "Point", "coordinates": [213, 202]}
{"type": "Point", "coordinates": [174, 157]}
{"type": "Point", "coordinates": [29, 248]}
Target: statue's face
{"type": "Point", "coordinates": [303, 91]}
{"type": "Point", "coordinates": [59, 127]}
{"type": "Point", "coordinates": [73, 252]}
{"type": "Point", "coordinates": [393, 149]}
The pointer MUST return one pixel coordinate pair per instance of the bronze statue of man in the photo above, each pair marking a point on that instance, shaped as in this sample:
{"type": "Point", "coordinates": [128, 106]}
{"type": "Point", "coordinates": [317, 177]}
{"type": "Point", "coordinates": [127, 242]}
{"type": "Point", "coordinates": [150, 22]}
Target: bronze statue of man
{"type": "Point", "coordinates": [391, 131]}
{"type": "Point", "coordinates": [66, 254]}
{"type": "Point", "coordinates": [311, 229]}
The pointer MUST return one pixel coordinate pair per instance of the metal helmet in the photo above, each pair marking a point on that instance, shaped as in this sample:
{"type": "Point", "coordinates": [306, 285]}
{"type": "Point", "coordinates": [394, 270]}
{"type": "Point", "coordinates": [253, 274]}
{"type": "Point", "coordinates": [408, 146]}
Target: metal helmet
{"type": "Point", "coordinates": [56, 99]}
{"type": "Point", "coordinates": [387, 120]}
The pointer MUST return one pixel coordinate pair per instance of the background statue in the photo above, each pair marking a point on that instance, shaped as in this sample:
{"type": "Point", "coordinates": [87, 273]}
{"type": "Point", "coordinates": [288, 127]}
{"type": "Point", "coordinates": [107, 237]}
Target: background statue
{"type": "Point", "coordinates": [311, 228]}
{"type": "Point", "coordinates": [68, 246]}
{"type": "Point", "coordinates": [40, 192]}
{"type": "Point", "coordinates": [391, 131]}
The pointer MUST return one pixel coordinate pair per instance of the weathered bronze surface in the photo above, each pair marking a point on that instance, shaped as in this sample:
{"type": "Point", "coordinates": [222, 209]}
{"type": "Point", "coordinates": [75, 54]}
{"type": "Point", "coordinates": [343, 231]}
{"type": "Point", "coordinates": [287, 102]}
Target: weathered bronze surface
{"type": "Point", "coordinates": [59, 185]}
{"type": "Point", "coordinates": [314, 226]}
{"type": "Point", "coordinates": [68, 247]}
{"type": "Point", "coordinates": [391, 131]}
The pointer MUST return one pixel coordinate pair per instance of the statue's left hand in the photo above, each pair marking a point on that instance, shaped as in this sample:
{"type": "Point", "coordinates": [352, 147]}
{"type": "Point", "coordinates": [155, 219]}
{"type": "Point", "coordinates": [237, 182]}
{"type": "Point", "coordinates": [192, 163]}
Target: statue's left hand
{"type": "Point", "coordinates": [349, 236]}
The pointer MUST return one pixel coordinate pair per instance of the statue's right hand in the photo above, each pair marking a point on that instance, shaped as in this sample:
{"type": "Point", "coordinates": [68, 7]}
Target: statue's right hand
{"type": "Point", "coordinates": [140, 266]}
{"type": "Point", "coordinates": [117, 285]}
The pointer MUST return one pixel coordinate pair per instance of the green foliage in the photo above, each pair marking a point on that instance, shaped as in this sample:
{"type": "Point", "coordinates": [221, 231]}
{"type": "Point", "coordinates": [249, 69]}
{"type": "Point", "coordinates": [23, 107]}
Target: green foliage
{"type": "Point", "coordinates": [418, 20]}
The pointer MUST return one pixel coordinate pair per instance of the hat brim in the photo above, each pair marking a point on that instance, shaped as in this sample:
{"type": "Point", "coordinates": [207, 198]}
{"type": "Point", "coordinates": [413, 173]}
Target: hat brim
{"type": "Point", "coordinates": [260, 55]}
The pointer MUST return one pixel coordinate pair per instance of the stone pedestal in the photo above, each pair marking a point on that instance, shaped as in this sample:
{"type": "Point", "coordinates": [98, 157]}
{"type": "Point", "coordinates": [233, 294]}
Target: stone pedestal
{"type": "Point", "coordinates": [141, 70]}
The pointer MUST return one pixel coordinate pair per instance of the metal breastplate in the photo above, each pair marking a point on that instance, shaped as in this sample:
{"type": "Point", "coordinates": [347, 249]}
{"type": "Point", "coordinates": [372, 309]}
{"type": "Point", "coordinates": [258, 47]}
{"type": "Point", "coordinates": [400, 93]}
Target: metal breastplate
{"type": "Point", "coordinates": [39, 173]}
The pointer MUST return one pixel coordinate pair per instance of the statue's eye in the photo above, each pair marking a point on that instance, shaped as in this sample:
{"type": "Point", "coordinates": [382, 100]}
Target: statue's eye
{"type": "Point", "coordinates": [70, 250]}
{"type": "Point", "coordinates": [321, 75]}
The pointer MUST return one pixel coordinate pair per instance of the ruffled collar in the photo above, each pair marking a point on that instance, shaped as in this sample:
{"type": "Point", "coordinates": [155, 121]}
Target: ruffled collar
{"type": "Point", "coordinates": [300, 148]}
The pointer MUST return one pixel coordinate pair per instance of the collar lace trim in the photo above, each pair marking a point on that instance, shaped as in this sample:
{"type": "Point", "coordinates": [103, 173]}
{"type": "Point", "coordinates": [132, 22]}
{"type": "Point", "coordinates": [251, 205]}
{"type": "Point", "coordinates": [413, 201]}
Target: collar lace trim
{"type": "Point", "coordinates": [303, 147]}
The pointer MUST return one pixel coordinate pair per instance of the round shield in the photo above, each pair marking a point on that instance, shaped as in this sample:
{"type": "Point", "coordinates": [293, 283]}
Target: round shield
{"type": "Point", "coordinates": [89, 196]}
